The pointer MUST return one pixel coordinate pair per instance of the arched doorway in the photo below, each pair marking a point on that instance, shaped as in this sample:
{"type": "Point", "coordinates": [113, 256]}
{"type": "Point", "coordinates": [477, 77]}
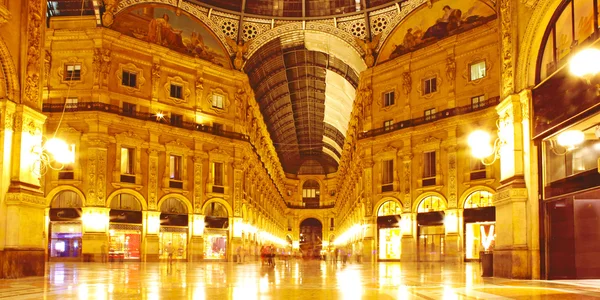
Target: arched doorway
{"type": "Point", "coordinates": [216, 234]}
{"type": "Point", "coordinates": [311, 238]}
{"type": "Point", "coordinates": [388, 229]}
{"type": "Point", "coordinates": [479, 217]}
{"type": "Point", "coordinates": [430, 230]}
{"type": "Point", "coordinates": [173, 228]}
{"type": "Point", "coordinates": [311, 193]}
{"type": "Point", "coordinates": [125, 228]}
{"type": "Point", "coordinates": [65, 230]}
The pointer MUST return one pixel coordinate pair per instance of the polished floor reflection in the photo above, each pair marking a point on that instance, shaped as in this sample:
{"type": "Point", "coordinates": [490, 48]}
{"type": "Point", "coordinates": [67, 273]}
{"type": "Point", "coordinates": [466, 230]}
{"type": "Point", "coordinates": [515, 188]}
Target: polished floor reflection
{"type": "Point", "coordinates": [298, 280]}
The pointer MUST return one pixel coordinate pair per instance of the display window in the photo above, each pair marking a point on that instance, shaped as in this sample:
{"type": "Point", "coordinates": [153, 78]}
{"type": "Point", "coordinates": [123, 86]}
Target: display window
{"type": "Point", "coordinates": [125, 242]}
{"type": "Point", "coordinates": [479, 237]}
{"type": "Point", "coordinates": [65, 240]}
{"type": "Point", "coordinates": [178, 239]}
{"type": "Point", "coordinates": [389, 243]}
{"type": "Point", "coordinates": [215, 245]}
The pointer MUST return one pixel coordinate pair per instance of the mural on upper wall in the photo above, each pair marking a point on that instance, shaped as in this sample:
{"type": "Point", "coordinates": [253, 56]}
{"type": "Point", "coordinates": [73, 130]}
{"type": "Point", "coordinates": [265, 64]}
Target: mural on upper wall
{"type": "Point", "coordinates": [429, 25]}
{"type": "Point", "coordinates": [179, 32]}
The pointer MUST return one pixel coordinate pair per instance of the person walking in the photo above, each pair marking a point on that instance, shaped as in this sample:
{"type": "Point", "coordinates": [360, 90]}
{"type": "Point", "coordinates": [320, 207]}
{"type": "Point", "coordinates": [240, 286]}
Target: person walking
{"type": "Point", "coordinates": [170, 251]}
{"type": "Point", "coordinates": [103, 252]}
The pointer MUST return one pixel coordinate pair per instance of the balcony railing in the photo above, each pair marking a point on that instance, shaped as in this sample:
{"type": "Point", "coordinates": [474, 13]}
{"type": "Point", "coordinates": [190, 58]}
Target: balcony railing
{"type": "Point", "coordinates": [114, 109]}
{"type": "Point", "coordinates": [451, 112]}
{"type": "Point", "coordinates": [309, 206]}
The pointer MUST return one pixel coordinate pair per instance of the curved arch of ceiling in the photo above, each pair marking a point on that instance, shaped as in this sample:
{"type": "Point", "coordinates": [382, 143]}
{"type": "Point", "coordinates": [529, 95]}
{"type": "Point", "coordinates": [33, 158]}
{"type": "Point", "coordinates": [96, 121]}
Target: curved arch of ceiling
{"type": "Point", "coordinates": [332, 45]}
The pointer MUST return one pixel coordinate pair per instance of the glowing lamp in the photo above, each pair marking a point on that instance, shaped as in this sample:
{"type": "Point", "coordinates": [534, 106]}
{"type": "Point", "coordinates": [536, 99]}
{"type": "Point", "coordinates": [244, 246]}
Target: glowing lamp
{"type": "Point", "coordinates": [60, 151]}
{"type": "Point", "coordinates": [570, 138]}
{"type": "Point", "coordinates": [479, 141]}
{"type": "Point", "coordinates": [586, 63]}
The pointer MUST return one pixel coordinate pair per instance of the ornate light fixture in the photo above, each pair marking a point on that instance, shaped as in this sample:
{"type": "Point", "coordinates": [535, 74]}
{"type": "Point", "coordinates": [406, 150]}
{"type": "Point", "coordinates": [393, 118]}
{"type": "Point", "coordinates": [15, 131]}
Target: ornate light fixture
{"type": "Point", "coordinates": [54, 154]}
{"type": "Point", "coordinates": [481, 147]}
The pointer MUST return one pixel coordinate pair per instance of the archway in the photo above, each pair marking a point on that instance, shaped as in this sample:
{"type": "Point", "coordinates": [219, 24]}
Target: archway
{"type": "Point", "coordinates": [430, 230]}
{"type": "Point", "coordinates": [173, 228]}
{"type": "Point", "coordinates": [65, 229]}
{"type": "Point", "coordinates": [311, 238]}
{"type": "Point", "coordinates": [216, 235]}
{"type": "Point", "coordinates": [479, 217]}
{"type": "Point", "coordinates": [125, 228]}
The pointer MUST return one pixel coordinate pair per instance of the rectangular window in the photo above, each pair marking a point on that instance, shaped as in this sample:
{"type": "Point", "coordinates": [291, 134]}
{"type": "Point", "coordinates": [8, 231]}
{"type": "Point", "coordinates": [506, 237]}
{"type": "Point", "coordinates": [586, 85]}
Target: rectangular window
{"type": "Point", "coordinates": [176, 91]}
{"type": "Point", "coordinates": [309, 193]}
{"type": "Point", "coordinates": [218, 173]}
{"type": "Point", "coordinates": [72, 72]}
{"type": "Point", "coordinates": [129, 79]}
{"type": "Point", "coordinates": [477, 102]}
{"type": "Point", "coordinates": [67, 172]}
{"type": "Point", "coordinates": [71, 102]}
{"type": "Point", "coordinates": [175, 167]}
{"type": "Point", "coordinates": [217, 101]}
{"type": "Point", "coordinates": [477, 70]}
{"type": "Point", "coordinates": [387, 182]}
{"type": "Point", "coordinates": [217, 127]}
{"type": "Point", "coordinates": [388, 99]}
{"type": "Point", "coordinates": [477, 169]}
{"type": "Point", "coordinates": [128, 109]}
{"type": "Point", "coordinates": [429, 164]}
{"type": "Point", "coordinates": [176, 120]}
{"type": "Point", "coordinates": [429, 86]}
{"type": "Point", "coordinates": [127, 160]}
{"type": "Point", "coordinates": [387, 125]}
{"type": "Point", "coordinates": [429, 114]}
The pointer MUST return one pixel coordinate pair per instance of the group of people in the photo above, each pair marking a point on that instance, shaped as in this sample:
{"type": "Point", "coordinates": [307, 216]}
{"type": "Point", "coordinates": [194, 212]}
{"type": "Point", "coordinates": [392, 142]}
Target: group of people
{"type": "Point", "coordinates": [267, 255]}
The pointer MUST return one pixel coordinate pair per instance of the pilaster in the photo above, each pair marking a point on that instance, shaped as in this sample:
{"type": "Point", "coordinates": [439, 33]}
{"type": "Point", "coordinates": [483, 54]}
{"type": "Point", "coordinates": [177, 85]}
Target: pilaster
{"type": "Point", "coordinates": [97, 154]}
{"type": "Point", "coordinates": [95, 233]}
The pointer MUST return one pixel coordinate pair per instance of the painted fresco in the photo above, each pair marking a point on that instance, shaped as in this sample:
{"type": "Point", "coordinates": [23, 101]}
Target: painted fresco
{"type": "Point", "coordinates": [181, 33]}
{"type": "Point", "coordinates": [429, 25]}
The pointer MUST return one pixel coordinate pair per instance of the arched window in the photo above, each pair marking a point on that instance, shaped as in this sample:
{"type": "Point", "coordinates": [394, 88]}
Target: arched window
{"type": "Point", "coordinates": [173, 206]}
{"type": "Point", "coordinates": [571, 25]}
{"type": "Point", "coordinates": [431, 203]}
{"type": "Point", "coordinates": [311, 192]}
{"type": "Point", "coordinates": [66, 199]}
{"type": "Point", "coordinates": [216, 209]}
{"type": "Point", "coordinates": [125, 202]}
{"type": "Point", "coordinates": [479, 199]}
{"type": "Point", "coordinates": [389, 208]}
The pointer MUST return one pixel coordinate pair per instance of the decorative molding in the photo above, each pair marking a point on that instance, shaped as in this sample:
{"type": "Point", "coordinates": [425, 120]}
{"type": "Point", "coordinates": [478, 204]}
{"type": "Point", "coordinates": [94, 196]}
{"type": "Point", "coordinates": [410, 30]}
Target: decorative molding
{"type": "Point", "coordinates": [101, 64]}
{"type": "Point", "coordinates": [185, 93]}
{"type": "Point", "coordinates": [507, 47]}
{"type": "Point", "coordinates": [68, 61]}
{"type": "Point", "coordinates": [474, 59]}
{"type": "Point", "coordinates": [438, 83]}
{"type": "Point", "coordinates": [25, 199]}
{"type": "Point", "coordinates": [140, 80]}
{"type": "Point", "coordinates": [5, 15]}
{"type": "Point", "coordinates": [226, 102]}
{"type": "Point", "coordinates": [34, 50]}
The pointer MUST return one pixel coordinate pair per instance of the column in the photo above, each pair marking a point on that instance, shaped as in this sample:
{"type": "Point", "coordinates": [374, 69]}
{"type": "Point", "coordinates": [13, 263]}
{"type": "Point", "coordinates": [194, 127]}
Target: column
{"type": "Point", "coordinates": [369, 248]}
{"type": "Point", "coordinates": [95, 233]}
{"type": "Point", "coordinates": [453, 242]}
{"type": "Point", "coordinates": [516, 251]}
{"type": "Point", "coordinates": [196, 247]}
{"type": "Point", "coordinates": [152, 244]}
{"type": "Point", "coordinates": [408, 243]}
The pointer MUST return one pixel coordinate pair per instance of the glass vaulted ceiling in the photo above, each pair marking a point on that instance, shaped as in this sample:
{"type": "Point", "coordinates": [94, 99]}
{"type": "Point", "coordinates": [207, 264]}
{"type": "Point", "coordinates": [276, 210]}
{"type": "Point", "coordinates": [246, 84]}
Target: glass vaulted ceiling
{"type": "Point", "coordinates": [306, 99]}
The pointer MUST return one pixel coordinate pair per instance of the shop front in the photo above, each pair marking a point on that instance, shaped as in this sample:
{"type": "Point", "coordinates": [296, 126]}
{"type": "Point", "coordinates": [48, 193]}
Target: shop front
{"type": "Point", "coordinates": [125, 229]}
{"type": "Point", "coordinates": [566, 130]}
{"type": "Point", "coordinates": [389, 231]}
{"type": "Point", "coordinates": [65, 228]}
{"type": "Point", "coordinates": [431, 231]}
{"type": "Point", "coordinates": [174, 230]}
{"type": "Point", "coordinates": [479, 217]}
{"type": "Point", "coordinates": [216, 232]}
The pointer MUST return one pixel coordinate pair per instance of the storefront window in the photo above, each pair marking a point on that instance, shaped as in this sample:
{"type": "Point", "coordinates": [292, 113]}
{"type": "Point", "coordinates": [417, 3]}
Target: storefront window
{"type": "Point", "coordinates": [215, 245]}
{"type": "Point", "coordinates": [124, 242]}
{"type": "Point", "coordinates": [389, 243]}
{"type": "Point", "coordinates": [431, 243]}
{"type": "Point", "coordinates": [65, 240]}
{"type": "Point", "coordinates": [479, 237]}
{"type": "Point", "coordinates": [562, 163]}
{"type": "Point", "coordinates": [178, 240]}
{"type": "Point", "coordinates": [479, 199]}
{"type": "Point", "coordinates": [431, 203]}
{"type": "Point", "coordinates": [389, 208]}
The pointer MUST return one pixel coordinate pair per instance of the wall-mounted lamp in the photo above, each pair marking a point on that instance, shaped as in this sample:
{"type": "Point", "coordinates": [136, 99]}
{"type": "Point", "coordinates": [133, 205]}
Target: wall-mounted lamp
{"type": "Point", "coordinates": [566, 141]}
{"type": "Point", "coordinates": [54, 154]}
{"type": "Point", "coordinates": [586, 64]}
{"type": "Point", "coordinates": [481, 147]}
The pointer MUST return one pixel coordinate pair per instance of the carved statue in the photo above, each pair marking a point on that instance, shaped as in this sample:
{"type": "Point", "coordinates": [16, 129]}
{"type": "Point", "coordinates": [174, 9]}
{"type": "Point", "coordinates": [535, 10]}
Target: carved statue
{"type": "Point", "coordinates": [406, 82]}
{"type": "Point", "coordinates": [111, 8]}
{"type": "Point", "coordinates": [450, 69]}
{"type": "Point", "coordinates": [155, 80]}
{"type": "Point", "coordinates": [47, 65]}
{"type": "Point", "coordinates": [369, 48]}
{"type": "Point", "coordinates": [240, 103]}
{"type": "Point", "coordinates": [104, 66]}
{"type": "Point", "coordinates": [367, 100]}
{"type": "Point", "coordinates": [240, 49]}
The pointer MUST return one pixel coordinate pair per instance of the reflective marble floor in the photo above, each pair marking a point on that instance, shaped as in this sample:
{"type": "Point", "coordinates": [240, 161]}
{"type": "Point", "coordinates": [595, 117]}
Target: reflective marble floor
{"type": "Point", "coordinates": [298, 280]}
